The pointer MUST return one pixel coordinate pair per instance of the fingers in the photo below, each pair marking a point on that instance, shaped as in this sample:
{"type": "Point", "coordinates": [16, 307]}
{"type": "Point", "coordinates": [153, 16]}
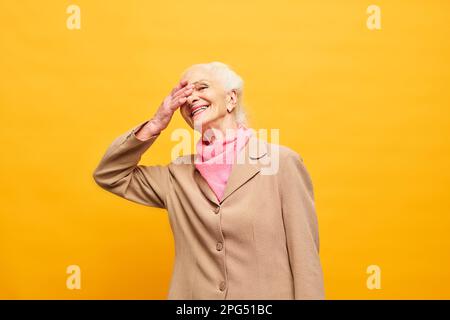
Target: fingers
{"type": "Point", "coordinates": [182, 93]}
{"type": "Point", "coordinates": [179, 100]}
{"type": "Point", "coordinates": [175, 104]}
{"type": "Point", "coordinates": [182, 101]}
{"type": "Point", "coordinates": [183, 90]}
{"type": "Point", "coordinates": [180, 85]}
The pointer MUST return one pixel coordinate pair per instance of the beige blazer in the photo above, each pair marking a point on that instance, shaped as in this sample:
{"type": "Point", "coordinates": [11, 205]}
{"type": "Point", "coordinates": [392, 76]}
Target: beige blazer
{"type": "Point", "coordinates": [260, 242]}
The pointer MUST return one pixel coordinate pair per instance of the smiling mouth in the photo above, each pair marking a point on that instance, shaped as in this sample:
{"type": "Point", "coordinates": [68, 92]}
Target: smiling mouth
{"type": "Point", "coordinates": [199, 110]}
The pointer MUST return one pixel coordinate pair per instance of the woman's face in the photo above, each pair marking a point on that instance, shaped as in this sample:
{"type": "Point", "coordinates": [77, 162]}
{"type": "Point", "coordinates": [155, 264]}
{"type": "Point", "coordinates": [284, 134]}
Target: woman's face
{"type": "Point", "coordinates": [207, 105]}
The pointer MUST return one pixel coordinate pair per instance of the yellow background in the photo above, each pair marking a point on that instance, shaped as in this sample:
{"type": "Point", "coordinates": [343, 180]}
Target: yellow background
{"type": "Point", "coordinates": [367, 110]}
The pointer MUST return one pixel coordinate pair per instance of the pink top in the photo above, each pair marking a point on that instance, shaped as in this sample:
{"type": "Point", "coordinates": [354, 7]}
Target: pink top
{"type": "Point", "coordinates": [214, 160]}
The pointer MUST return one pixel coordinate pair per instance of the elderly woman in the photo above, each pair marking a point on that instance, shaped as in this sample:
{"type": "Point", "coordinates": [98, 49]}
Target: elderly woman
{"type": "Point", "coordinates": [239, 233]}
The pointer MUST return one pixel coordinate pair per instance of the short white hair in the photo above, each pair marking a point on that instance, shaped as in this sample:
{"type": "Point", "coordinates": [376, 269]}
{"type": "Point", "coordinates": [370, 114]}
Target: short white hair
{"type": "Point", "coordinates": [230, 81]}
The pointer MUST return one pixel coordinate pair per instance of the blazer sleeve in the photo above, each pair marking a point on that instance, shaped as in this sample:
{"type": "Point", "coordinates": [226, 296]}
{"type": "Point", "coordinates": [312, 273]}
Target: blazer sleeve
{"type": "Point", "coordinates": [119, 172]}
{"type": "Point", "coordinates": [301, 226]}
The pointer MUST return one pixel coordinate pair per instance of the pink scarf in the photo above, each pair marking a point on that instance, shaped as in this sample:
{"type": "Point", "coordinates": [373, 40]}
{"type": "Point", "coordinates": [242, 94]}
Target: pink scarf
{"type": "Point", "coordinates": [215, 160]}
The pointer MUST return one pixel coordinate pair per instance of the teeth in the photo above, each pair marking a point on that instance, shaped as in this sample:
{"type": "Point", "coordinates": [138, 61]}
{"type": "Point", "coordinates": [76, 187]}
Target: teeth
{"type": "Point", "coordinates": [198, 110]}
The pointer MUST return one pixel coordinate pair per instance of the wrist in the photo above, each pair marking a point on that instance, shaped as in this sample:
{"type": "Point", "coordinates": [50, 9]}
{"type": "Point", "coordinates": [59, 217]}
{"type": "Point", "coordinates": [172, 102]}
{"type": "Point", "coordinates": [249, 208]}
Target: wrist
{"type": "Point", "coordinates": [150, 129]}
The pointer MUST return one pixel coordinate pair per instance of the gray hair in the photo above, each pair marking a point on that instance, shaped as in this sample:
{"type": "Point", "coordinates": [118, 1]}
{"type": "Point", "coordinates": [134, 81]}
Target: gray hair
{"type": "Point", "coordinates": [230, 81]}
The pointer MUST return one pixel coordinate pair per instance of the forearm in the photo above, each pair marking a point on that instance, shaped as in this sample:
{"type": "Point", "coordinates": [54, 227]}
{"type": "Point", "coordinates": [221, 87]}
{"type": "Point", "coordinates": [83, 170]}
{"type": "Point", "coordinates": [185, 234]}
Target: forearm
{"type": "Point", "coordinates": [118, 171]}
{"type": "Point", "coordinates": [121, 157]}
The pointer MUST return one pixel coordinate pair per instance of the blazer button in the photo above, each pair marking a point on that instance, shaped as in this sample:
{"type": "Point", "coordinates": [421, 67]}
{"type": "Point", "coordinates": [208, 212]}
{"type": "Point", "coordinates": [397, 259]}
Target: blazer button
{"type": "Point", "coordinates": [217, 209]}
{"type": "Point", "coordinates": [222, 286]}
{"type": "Point", "coordinates": [219, 246]}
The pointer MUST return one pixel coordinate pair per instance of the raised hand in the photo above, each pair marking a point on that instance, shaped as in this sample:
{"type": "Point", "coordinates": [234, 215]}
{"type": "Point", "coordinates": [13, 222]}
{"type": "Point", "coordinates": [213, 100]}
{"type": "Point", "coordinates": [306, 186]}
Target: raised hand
{"type": "Point", "coordinates": [163, 115]}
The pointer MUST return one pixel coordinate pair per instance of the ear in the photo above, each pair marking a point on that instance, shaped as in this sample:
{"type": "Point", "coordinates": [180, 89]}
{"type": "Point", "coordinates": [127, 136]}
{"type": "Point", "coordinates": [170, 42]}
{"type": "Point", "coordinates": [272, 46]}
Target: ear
{"type": "Point", "coordinates": [231, 100]}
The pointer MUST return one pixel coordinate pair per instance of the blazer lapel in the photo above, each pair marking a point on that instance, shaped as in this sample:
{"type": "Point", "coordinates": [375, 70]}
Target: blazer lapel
{"type": "Point", "coordinates": [246, 166]}
{"type": "Point", "coordinates": [204, 187]}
